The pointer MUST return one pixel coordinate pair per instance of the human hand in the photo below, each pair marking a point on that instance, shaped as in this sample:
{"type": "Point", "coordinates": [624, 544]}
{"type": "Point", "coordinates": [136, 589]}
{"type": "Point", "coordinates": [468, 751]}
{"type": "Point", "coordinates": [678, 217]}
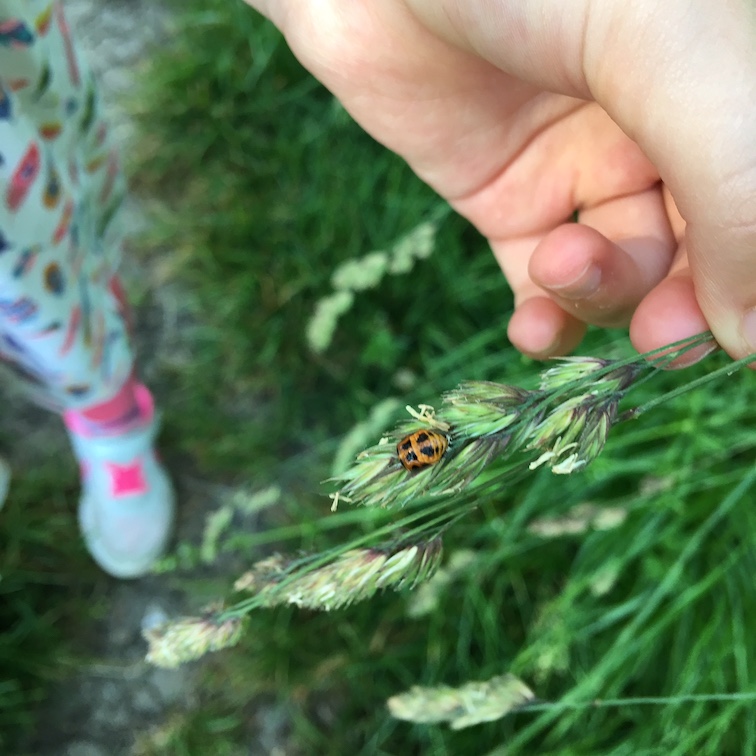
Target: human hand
{"type": "Point", "coordinates": [640, 116]}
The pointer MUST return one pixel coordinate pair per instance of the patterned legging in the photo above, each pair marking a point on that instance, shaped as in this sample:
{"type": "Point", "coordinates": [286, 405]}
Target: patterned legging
{"type": "Point", "coordinates": [62, 314]}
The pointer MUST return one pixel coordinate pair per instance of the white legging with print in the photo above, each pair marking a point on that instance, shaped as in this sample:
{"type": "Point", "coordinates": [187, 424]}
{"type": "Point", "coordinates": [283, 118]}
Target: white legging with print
{"type": "Point", "coordinates": [63, 323]}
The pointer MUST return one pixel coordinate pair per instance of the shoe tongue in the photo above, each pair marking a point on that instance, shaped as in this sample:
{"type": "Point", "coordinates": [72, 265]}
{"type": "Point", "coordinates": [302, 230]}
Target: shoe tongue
{"type": "Point", "coordinates": [121, 447]}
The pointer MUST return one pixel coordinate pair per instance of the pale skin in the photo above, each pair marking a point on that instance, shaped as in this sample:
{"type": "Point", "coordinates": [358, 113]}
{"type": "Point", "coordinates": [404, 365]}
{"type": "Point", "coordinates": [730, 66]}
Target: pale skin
{"type": "Point", "coordinates": [640, 116]}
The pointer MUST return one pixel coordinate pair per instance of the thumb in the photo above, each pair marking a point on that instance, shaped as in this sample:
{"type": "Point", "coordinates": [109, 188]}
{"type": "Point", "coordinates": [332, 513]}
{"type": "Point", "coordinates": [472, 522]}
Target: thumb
{"type": "Point", "coordinates": [689, 100]}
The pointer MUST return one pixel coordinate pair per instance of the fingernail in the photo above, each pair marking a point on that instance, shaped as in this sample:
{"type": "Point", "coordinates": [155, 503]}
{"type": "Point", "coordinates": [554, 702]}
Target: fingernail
{"type": "Point", "coordinates": [748, 328]}
{"type": "Point", "coordinates": [583, 285]}
{"type": "Point", "coordinates": [693, 356]}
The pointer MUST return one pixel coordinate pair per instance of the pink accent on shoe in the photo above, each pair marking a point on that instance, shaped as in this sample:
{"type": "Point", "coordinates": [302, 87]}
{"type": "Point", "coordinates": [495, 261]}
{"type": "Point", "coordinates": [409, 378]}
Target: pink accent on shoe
{"type": "Point", "coordinates": [132, 405]}
{"type": "Point", "coordinates": [118, 405]}
{"type": "Point", "coordinates": [145, 401]}
{"type": "Point", "coordinates": [126, 480]}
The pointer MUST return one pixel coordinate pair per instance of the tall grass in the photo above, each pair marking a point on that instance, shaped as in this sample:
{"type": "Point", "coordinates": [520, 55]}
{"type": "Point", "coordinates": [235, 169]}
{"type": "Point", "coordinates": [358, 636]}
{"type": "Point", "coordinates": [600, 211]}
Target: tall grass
{"type": "Point", "coordinates": [40, 602]}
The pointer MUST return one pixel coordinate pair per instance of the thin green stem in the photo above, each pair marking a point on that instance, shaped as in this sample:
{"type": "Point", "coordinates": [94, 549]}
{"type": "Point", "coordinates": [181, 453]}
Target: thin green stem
{"type": "Point", "coordinates": [640, 701]}
{"type": "Point", "coordinates": [703, 380]}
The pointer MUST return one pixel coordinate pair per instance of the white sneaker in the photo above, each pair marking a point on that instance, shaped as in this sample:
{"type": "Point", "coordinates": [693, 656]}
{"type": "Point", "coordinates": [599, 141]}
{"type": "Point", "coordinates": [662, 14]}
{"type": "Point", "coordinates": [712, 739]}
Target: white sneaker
{"type": "Point", "coordinates": [127, 504]}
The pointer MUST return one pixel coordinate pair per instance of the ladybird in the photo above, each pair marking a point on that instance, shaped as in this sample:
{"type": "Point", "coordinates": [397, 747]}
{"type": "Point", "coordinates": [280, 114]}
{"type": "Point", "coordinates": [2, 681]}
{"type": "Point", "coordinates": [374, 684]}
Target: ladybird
{"type": "Point", "coordinates": [421, 449]}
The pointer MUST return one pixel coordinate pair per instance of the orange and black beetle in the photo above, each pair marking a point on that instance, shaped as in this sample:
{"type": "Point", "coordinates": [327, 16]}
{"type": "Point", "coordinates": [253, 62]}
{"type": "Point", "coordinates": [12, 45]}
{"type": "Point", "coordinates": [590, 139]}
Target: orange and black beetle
{"type": "Point", "coordinates": [421, 449]}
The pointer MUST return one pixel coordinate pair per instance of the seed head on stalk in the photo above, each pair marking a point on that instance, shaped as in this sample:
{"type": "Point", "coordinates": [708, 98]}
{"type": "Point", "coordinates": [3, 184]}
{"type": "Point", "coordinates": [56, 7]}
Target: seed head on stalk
{"type": "Point", "coordinates": [467, 705]}
{"type": "Point", "coordinates": [476, 418]}
{"type": "Point", "coordinates": [354, 575]}
{"type": "Point", "coordinates": [572, 433]}
{"type": "Point", "coordinates": [484, 408]}
{"type": "Point", "coordinates": [174, 642]}
{"type": "Point", "coordinates": [567, 420]}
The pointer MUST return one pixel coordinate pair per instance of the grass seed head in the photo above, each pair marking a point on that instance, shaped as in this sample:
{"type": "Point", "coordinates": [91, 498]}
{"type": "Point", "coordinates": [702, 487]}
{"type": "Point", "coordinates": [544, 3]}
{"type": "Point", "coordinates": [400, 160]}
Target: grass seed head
{"type": "Point", "coordinates": [602, 376]}
{"type": "Point", "coordinates": [476, 416]}
{"type": "Point", "coordinates": [499, 395]}
{"type": "Point", "coordinates": [567, 421]}
{"type": "Point", "coordinates": [353, 576]}
{"type": "Point", "coordinates": [185, 639]}
{"type": "Point", "coordinates": [573, 434]}
{"type": "Point", "coordinates": [362, 273]}
{"type": "Point", "coordinates": [322, 325]}
{"type": "Point", "coordinates": [467, 705]}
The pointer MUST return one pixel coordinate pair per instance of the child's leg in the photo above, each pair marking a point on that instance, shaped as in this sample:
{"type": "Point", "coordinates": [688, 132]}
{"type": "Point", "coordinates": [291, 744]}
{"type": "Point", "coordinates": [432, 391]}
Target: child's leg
{"type": "Point", "coordinates": [62, 314]}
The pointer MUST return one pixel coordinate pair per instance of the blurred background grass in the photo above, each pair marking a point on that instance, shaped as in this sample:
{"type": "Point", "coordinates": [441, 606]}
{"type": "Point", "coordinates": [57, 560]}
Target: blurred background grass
{"type": "Point", "coordinates": [259, 186]}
